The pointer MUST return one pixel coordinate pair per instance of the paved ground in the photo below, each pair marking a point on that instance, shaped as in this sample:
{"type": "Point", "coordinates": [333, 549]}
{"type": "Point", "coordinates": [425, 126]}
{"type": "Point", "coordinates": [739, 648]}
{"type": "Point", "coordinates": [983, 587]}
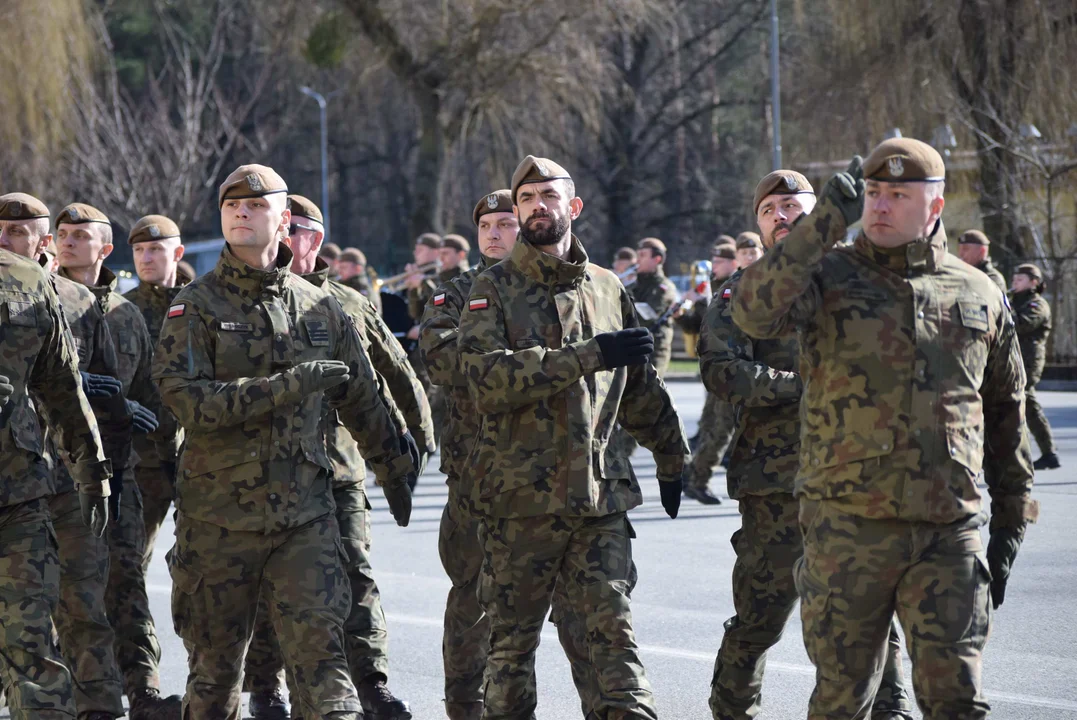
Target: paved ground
{"type": "Point", "coordinates": [683, 598]}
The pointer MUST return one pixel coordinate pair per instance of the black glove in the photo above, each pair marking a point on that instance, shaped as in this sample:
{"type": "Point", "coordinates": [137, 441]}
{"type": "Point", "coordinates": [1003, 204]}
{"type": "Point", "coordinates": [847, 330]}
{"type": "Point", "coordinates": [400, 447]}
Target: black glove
{"type": "Point", "coordinates": [142, 418]}
{"type": "Point", "coordinates": [846, 191]}
{"type": "Point", "coordinates": [100, 386]}
{"type": "Point", "coordinates": [398, 495]}
{"type": "Point", "coordinates": [94, 513]}
{"type": "Point", "coordinates": [6, 389]}
{"type": "Point", "coordinates": [1001, 552]}
{"type": "Point", "coordinates": [671, 489]}
{"type": "Point", "coordinates": [631, 346]}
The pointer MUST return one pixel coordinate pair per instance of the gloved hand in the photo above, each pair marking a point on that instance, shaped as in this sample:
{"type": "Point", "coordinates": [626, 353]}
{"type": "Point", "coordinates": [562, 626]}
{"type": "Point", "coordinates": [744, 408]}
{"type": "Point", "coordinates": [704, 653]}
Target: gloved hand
{"type": "Point", "coordinates": [100, 386]}
{"type": "Point", "coordinates": [94, 513]}
{"type": "Point", "coordinates": [319, 375]}
{"type": "Point", "coordinates": [631, 346]}
{"type": "Point", "coordinates": [143, 420]}
{"type": "Point", "coordinates": [398, 495]}
{"type": "Point", "coordinates": [846, 190]}
{"type": "Point", "coordinates": [6, 389]}
{"type": "Point", "coordinates": [671, 488]}
{"type": "Point", "coordinates": [1001, 552]}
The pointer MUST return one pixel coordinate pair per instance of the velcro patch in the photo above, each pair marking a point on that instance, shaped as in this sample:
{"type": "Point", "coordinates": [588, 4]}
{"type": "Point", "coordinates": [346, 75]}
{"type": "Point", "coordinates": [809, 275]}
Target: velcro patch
{"type": "Point", "coordinates": [236, 327]}
{"type": "Point", "coordinates": [177, 310]}
{"type": "Point", "coordinates": [727, 293]}
{"type": "Point", "coordinates": [439, 299]}
{"type": "Point", "coordinates": [317, 332]}
{"type": "Point", "coordinates": [973, 315]}
{"type": "Point", "coordinates": [479, 303]}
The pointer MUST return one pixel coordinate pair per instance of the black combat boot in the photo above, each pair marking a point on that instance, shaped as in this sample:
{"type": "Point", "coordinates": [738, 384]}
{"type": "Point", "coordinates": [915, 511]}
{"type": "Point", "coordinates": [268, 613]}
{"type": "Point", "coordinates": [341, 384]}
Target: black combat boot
{"type": "Point", "coordinates": [380, 704]}
{"type": "Point", "coordinates": [703, 495]}
{"type": "Point", "coordinates": [147, 704]}
{"type": "Point", "coordinates": [268, 706]}
{"type": "Point", "coordinates": [1048, 461]}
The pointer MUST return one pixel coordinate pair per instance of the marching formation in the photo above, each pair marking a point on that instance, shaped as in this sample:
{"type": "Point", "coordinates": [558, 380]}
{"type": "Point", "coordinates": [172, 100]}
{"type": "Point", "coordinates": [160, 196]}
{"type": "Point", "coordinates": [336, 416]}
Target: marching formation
{"type": "Point", "coordinates": [861, 388]}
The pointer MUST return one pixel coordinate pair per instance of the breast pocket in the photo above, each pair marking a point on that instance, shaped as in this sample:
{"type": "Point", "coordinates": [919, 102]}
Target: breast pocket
{"type": "Point", "coordinates": [241, 350]}
{"type": "Point", "coordinates": [966, 334]}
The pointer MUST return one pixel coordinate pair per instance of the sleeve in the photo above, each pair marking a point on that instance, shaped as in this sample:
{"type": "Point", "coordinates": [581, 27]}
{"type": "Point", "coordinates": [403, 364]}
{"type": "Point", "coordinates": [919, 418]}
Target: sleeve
{"type": "Point", "coordinates": [728, 367]}
{"type": "Point", "coordinates": [778, 291]}
{"type": "Point", "coordinates": [438, 338]}
{"type": "Point", "coordinates": [144, 392]}
{"type": "Point", "coordinates": [503, 380]}
{"type": "Point", "coordinates": [114, 421]}
{"type": "Point", "coordinates": [1033, 316]}
{"type": "Point", "coordinates": [417, 299]}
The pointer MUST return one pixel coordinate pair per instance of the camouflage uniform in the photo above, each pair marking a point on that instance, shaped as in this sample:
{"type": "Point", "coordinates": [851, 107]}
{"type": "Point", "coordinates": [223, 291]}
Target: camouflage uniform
{"type": "Point", "coordinates": [363, 285]}
{"type": "Point", "coordinates": [988, 268]}
{"type": "Point", "coordinates": [417, 301]}
{"type": "Point", "coordinates": [156, 468]}
{"type": "Point", "coordinates": [910, 362]}
{"type": "Point", "coordinates": [39, 358]}
{"type": "Point", "coordinates": [760, 379]}
{"type": "Point", "coordinates": [553, 504]}
{"type": "Point", "coordinates": [1033, 315]}
{"type": "Point", "coordinates": [254, 497]}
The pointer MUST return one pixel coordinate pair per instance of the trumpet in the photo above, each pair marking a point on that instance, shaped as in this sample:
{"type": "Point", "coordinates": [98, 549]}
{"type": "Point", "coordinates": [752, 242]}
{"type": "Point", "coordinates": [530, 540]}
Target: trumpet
{"type": "Point", "coordinates": [629, 272]}
{"type": "Point", "coordinates": [395, 283]}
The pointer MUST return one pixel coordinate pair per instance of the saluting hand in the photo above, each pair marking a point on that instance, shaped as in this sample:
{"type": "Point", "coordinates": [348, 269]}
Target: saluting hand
{"type": "Point", "coordinates": [846, 190]}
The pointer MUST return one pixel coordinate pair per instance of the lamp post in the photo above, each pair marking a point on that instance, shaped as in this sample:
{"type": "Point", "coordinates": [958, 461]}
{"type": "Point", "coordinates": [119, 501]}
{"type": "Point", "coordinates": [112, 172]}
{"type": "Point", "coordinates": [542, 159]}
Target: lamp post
{"type": "Point", "coordinates": [322, 100]}
{"type": "Point", "coordinates": [775, 88]}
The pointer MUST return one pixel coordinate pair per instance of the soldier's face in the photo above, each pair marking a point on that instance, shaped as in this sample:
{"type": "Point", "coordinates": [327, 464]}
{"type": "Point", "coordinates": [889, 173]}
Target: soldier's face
{"type": "Point", "coordinates": [747, 256]}
{"type": "Point", "coordinates": [497, 234]}
{"type": "Point", "coordinates": [896, 214]}
{"type": "Point", "coordinates": [81, 246]}
{"type": "Point", "coordinates": [451, 257]}
{"type": "Point", "coordinates": [972, 254]}
{"type": "Point", "coordinates": [649, 262]}
{"type": "Point", "coordinates": [1022, 282]}
{"type": "Point", "coordinates": [546, 211]}
{"type": "Point", "coordinates": [424, 254]}
{"type": "Point", "coordinates": [156, 261]}
{"type": "Point", "coordinates": [24, 237]}
{"type": "Point", "coordinates": [346, 269]}
{"type": "Point", "coordinates": [777, 213]}
{"type": "Point", "coordinates": [305, 244]}
{"type": "Point", "coordinates": [254, 222]}
{"type": "Point", "coordinates": [722, 267]}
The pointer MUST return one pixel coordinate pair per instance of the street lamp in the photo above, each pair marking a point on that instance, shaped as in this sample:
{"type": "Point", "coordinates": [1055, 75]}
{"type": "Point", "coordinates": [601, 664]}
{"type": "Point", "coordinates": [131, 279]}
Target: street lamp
{"type": "Point", "coordinates": [322, 100]}
{"type": "Point", "coordinates": [775, 88]}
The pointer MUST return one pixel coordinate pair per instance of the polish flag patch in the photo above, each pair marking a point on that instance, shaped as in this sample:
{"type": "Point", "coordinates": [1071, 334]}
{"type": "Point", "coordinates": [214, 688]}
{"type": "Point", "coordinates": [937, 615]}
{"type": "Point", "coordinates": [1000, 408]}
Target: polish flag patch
{"type": "Point", "coordinates": [176, 310]}
{"type": "Point", "coordinates": [480, 303]}
{"type": "Point", "coordinates": [727, 293]}
{"type": "Point", "coordinates": [439, 299]}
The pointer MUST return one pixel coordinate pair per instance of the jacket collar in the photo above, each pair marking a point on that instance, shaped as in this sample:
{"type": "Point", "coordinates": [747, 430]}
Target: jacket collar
{"type": "Point", "coordinates": [920, 257]}
{"type": "Point", "coordinates": [549, 270]}
{"type": "Point", "coordinates": [247, 280]}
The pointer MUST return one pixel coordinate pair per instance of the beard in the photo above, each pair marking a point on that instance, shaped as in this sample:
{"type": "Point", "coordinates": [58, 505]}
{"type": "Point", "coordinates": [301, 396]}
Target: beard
{"type": "Point", "coordinates": [546, 236]}
{"type": "Point", "coordinates": [774, 233]}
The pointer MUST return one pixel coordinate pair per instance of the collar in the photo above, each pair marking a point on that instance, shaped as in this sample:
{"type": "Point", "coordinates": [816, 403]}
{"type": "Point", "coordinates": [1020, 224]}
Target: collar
{"type": "Point", "coordinates": [319, 276]}
{"type": "Point", "coordinates": [919, 257]}
{"type": "Point", "coordinates": [247, 280]}
{"type": "Point", "coordinates": [159, 291]}
{"type": "Point", "coordinates": [549, 270]}
{"type": "Point", "coordinates": [1019, 298]}
{"type": "Point", "coordinates": [106, 284]}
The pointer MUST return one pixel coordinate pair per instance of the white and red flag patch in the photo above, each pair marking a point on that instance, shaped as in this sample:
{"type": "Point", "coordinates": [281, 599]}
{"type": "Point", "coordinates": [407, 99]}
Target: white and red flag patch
{"type": "Point", "coordinates": [439, 299]}
{"type": "Point", "coordinates": [479, 303]}
{"type": "Point", "coordinates": [176, 310]}
{"type": "Point", "coordinates": [727, 293]}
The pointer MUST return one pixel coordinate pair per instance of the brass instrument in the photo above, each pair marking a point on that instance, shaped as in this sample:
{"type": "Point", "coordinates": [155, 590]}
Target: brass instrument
{"type": "Point", "coordinates": [395, 283]}
{"type": "Point", "coordinates": [629, 272]}
{"type": "Point", "coordinates": [701, 277]}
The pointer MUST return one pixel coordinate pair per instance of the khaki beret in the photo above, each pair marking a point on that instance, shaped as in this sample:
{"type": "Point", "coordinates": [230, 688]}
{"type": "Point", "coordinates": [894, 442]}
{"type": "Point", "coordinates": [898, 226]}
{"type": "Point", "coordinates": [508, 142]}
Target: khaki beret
{"type": "Point", "coordinates": [353, 255]}
{"type": "Point", "coordinates": [79, 213]}
{"type": "Point", "coordinates": [625, 253]}
{"type": "Point", "coordinates": [431, 240]}
{"type": "Point", "coordinates": [904, 160]}
{"type": "Point", "coordinates": [152, 227]}
{"type": "Point", "coordinates": [724, 250]}
{"type": "Point", "coordinates": [302, 207]}
{"type": "Point", "coordinates": [495, 202]}
{"type": "Point", "coordinates": [654, 244]}
{"type": "Point", "coordinates": [249, 181]}
{"type": "Point", "coordinates": [780, 182]}
{"type": "Point", "coordinates": [329, 251]}
{"type": "Point", "coordinates": [1033, 271]}
{"type": "Point", "coordinates": [456, 242]}
{"type": "Point", "coordinates": [726, 240]}
{"type": "Point", "coordinates": [536, 170]}
{"type": "Point", "coordinates": [749, 239]}
{"type": "Point", "coordinates": [20, 206]}
{"type": "Point", "coordinates": [973, 237]}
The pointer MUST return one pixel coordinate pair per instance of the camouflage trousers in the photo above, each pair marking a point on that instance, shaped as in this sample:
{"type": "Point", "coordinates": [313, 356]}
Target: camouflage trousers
{"type": "Point", "coordinates": [524, 559]}
{"type": "Point", "coordinates": [1036, 419]}
{"type": "Point", "coordinates": [157, 494]}
{"type": "Point", "coordinates": [856, 573]}
{"type": "Point", "coordinates": [34, 680]}
{"type": "Point", "coordinates": [137, 649]}
{"type": "Point", "coordinates": [768, 546]}
{"type": "Point", "coordinates": [218, 575]}
{"type": "Point", "coordinates": [87, 641]}
{"type": "Point", "coordinates": [716, 425]}
{"type": "Point", "coordinates": [366, 636]}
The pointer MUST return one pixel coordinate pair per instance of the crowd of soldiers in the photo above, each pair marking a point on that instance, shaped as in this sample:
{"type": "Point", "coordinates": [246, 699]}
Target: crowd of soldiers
{"type": "Point", "coordinates": [860, 392]}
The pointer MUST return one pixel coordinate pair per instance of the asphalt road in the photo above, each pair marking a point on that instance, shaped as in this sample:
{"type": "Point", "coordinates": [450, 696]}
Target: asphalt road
{"type": "Point", "coordinates": [683, 597]}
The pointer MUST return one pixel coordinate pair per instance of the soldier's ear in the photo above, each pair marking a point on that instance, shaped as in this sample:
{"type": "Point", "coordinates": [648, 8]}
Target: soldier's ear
{"type": "Point", "coordinates": [177, 254]}
{"type": "Point", "coordinates": [575, 207]}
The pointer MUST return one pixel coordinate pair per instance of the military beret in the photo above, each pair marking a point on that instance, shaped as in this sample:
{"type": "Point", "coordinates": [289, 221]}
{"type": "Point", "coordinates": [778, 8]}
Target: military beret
{"type": "Point", "coordinates": [353, 255]}
{"type": "Point", "coordinates": [79, 213]}
{"type": "Point", "coordinates": [625, 253]}
{"type": "Point", "coordinates": [329, 251]}
{"type": "Point", "coordinates": [431, 240]}
{"type": "Point", "coordinates": [456, 242]}
{"type": "Point", "coordinates": [497, 201]}
{"type": "Point", "coordinates": [780, 182]}
{"type": "Point", "coordinates": [653, 244]}
{"type": "Point", "coordinates": [1033, 271]}
{"type": "Point", "coordinates": [152, 227]}
{"type": "Point", "coordinates": [536, 170]}
{"type": "Point", "coordinates": [973, 237]}
{"type": "Point", "coordinates": [249, 181]}
{"type": "Point", "coordinates": [20, 206]}
{"type": "Point", "coordinates": [904, 160]}
{"type": "Point", "coordinates": [748, 239]}
{"type": "Point", "coordinates": [302, 207]}
{"type": "Point", "coordinates": [726, 240]}
{"type": "Point", "coordinates": [724, 250]}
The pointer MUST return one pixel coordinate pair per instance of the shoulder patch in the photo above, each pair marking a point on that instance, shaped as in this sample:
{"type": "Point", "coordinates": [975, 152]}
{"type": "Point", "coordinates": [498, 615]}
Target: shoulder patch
{"type": "Point", "coordinates": [439, 299]}
{"type": "Point", "coordinates": [478, 303]}
{"type": "Point", "coordinates": [727, 293]}
{"type": "Point", "coordinates": [177, 310]}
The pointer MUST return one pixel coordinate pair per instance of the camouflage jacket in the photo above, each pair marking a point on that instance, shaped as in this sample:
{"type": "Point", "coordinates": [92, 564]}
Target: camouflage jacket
{"type": "Point", "coordinates": [41, 362]}
{"type": "Point", "coordinates": [363, 285]}
{"type": "Point", "coordinates": [988, 268]}
{"type": "Point", "coordinates": [759, 378]}
{"type": "Point", "coordinates": [441, 355]}
{"type": "Point", "coordinates": [911, 373]}
{"type": "Point", "coordinates": [1033, 315]}
{"type": "Point", "coordinates": [548, 407]}
{"type": "Point", "coordinates": [254, 457]}
{"type": "Point", "coordinates": [657, 291]}
{"type": "Point", "coordinates": [398, 385]}
{"type": "Point", "coordinates": [417, 298]}
{"type": "Point", "coordinates": [153, 301]}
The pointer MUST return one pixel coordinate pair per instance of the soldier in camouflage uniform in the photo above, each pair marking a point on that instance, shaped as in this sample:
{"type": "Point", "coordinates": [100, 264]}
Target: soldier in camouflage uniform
{"type": "Point", "coordinates": [358, 278]}
{"type": "Point", "coordinates": [972, 247]}
{"type": "Point", "coordinates": [39, 361]}
{"type": "Point", "coordinates": [365, 633]}
{"type": "Point", "coordinates": [749, 248]}
{"type": "Point", "coordinates": [1033, 315]}
{"type": "Point", "coordinates": [420, 288]}
{"type": "Point", "coordinates": [760, 378]}
{"type": "Point", "coordinates": [157, 248]}
{"type": "Point", "coordinates": [551, 357]}
{"type": "Point", "coordinates": [247, 356]}
{"type": "Point", "coordinates": [913, 384]}
{"type": "Point", "coordinates": [330, 252]}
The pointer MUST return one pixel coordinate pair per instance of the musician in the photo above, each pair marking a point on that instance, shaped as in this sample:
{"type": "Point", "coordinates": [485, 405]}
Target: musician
{"type": "Point", "coordinates": [453, 257]}
{"type": "Point", "coordinates": [352, 267]}
{"type": "Point", "coordinates": [623, 261]}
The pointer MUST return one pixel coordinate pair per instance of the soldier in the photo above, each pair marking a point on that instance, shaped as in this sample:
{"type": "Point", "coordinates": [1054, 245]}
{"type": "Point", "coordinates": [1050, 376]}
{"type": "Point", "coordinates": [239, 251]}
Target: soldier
{"type": "Point", "coordinates": [353, 263]}
{"type": "Point", "coordinates": [365, 633]}
{"type": "Point", "coordinates": [330, 252]}
{"type": "Point", "coordinates": [247, 356]}
{"type": "Point", "coordinates": [749, 248]}
{"type": "Point", "coordinates": [452, 257]}
{"type": "Point", "coordinates": [913, 383]}
{"type": "Point", "coordinates": [419, 284]}
{"type": "Point", "coordinates": [623, 262]}
{"type": "Point", "coordinates": [972, 247]}
{"type": "Point", "coordinates": [157, 247]}
{"type": "Point", "coordinates": [40, 358]}
{"type": "Point", "coordinates": [717, 421]}
{"type": "Point", "coordinates": [84, 240]}
{"type": "Point", "coordinates": [1033, 316]}
{"type": "Point", "coordinates": [548, 388]}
